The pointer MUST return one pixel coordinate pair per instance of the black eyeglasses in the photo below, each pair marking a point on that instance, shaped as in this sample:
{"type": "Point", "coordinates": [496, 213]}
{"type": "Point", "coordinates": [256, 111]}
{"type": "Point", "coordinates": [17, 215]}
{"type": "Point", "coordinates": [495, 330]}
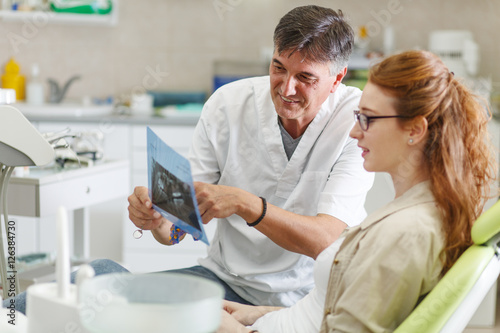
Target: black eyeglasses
{"type": "Point", "coordinates": [364, 120]}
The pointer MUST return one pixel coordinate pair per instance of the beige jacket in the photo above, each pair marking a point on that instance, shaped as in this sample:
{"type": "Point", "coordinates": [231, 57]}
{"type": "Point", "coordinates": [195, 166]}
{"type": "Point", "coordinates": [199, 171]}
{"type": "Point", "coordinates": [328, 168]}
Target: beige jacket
{"type": "Point", "coordinates": [385, 265]}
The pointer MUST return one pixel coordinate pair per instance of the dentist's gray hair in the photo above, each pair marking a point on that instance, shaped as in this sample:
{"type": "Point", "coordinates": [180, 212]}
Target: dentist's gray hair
{"type": "Point", "coordinates": [319, 34]}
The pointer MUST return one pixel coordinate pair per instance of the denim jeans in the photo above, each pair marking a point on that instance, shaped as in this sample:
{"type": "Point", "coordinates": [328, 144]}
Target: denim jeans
{"type": "Point", "coordinates": [105, 266]}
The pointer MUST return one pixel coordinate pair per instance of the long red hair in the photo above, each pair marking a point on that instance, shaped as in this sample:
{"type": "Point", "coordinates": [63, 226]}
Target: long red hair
{"type": "Point", "coordinates": [458, 154]}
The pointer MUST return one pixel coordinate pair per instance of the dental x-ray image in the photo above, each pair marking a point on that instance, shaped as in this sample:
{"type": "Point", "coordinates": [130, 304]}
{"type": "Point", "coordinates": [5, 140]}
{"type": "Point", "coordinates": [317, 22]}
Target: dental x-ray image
{"type": "Point", "coordinates": [173, 195]}
{"type": "Point", "coordinates": [171, 187]}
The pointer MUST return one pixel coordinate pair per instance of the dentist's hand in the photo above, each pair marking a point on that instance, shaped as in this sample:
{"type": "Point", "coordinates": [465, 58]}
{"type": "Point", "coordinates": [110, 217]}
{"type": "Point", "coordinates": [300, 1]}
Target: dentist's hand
{"type": "Point", "coordinates": [142, 214]}
{"type": "Point", "coordinates": [221, 201]}
{"type": "Point", "coordinates": [215, 200]}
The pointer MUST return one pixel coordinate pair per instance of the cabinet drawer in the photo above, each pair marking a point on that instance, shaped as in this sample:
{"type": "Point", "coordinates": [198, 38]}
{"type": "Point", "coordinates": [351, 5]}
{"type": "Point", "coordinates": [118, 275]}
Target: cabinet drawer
{"type": "Point", "coordinates": [91, 186]}
{"type": "Point", "coordinates": [86, 191]}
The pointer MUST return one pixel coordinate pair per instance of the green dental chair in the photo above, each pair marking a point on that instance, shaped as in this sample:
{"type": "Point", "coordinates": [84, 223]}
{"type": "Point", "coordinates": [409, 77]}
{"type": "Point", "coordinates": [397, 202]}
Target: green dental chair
{"type": "Point", "coordinates": [451, 304]}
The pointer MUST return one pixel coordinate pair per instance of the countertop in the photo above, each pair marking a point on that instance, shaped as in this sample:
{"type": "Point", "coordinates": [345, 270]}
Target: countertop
{"type": "Point", "coordinates": [174, 120]}
{"type": "Point", "coordinates": [70, 113]}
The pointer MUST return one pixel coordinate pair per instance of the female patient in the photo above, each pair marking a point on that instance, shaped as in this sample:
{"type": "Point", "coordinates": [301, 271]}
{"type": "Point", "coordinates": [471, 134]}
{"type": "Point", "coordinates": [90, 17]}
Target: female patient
{"type": "Point", "coordinates": [420, 125]}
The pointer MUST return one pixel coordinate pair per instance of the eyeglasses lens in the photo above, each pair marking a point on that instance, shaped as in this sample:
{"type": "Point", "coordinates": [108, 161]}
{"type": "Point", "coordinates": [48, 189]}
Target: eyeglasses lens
{"type": "Point", "coordinates": [363, 122]}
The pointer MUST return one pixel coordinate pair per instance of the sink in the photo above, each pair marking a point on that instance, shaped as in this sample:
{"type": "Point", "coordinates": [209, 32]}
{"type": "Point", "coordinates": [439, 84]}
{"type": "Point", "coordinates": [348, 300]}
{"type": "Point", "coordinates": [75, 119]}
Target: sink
{"type": "Point", "coordinates": [64, 110]}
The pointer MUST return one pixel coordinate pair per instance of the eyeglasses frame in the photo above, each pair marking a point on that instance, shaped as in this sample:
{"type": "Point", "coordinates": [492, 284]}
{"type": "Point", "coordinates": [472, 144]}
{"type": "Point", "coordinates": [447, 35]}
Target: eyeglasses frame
{"type": "Point", "coordinates": [358, 115]}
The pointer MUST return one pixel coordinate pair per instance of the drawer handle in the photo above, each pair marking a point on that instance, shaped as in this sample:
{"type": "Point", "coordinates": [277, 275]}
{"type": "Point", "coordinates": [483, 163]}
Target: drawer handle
{"type": "Point", "coordinates": [88, 189]}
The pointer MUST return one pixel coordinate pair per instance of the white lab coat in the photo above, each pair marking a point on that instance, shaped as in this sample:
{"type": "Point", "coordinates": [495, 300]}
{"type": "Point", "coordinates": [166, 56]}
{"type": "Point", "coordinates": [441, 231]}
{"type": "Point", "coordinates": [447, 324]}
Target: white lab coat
{"type": "Point", "coordinates": [238, 142]}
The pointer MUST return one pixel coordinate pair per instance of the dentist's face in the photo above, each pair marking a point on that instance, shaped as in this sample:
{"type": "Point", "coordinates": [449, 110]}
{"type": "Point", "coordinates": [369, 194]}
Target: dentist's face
{"type": "Point", "coordinates": [298, 87]}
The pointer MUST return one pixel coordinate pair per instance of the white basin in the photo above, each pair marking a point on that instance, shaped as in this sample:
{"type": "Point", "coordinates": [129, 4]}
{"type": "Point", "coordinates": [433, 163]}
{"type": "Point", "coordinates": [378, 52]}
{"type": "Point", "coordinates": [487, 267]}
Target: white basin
{"type": "Point", "coordinates": [64, 110]}
{"type": "Point", "coordinates": [152, 303]}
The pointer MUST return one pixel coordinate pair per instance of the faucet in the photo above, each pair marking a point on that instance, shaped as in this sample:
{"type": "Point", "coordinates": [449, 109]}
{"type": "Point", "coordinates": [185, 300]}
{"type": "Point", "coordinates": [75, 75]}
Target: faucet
{"type": "Point", "coordinates": [57, 93]}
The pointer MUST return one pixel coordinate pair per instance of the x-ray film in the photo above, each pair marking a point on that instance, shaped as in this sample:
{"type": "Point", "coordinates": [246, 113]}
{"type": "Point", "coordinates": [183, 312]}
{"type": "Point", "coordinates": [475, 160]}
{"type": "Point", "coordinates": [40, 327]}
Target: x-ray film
{"type": "Point", "coordinates": [171, 187]}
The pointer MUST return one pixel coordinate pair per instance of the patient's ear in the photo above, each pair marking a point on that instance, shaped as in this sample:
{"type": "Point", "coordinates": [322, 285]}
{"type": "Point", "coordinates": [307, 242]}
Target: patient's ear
{"type": "Point", "coordinates": [417, 129]}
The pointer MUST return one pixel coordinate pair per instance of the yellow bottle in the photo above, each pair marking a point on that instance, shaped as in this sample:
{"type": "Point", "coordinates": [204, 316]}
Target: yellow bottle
{"type": "Point", "coordinates": [12, 79]}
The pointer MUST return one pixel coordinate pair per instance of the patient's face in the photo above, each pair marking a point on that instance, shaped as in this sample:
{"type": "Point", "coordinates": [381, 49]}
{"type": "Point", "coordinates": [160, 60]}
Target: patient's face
{"type": "Point", "coordinates": [385, 142]}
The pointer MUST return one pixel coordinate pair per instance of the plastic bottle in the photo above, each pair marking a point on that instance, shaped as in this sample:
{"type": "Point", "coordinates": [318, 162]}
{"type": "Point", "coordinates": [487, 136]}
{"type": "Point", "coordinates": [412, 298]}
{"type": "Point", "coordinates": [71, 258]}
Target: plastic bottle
{"type": "Point", "coordinates": [34, 89]}
{"type": "Point", "coordinates": [12, 79]}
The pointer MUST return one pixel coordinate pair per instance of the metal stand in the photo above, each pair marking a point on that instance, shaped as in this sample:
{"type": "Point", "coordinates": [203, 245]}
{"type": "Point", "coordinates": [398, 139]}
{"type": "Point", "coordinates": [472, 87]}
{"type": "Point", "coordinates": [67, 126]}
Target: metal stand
{"type": "Point", "coordinates": [7, 266]}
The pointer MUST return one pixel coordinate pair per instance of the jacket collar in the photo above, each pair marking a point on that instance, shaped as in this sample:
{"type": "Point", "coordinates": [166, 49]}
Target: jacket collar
{"type": "Point", "coordinates": [418, 194]}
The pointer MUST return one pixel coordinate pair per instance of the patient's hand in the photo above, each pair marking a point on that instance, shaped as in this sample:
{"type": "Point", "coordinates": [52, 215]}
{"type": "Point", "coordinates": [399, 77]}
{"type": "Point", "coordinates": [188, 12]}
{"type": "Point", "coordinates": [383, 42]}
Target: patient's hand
{"type": "Point", "coordinates": [246, 314]}
{"type": "Point", "coordinates": [230, 325]}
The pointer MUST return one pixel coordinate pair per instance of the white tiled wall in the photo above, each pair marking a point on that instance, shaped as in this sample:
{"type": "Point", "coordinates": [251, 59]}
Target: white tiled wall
{"type": "Point", "coordinates": [183, 38]}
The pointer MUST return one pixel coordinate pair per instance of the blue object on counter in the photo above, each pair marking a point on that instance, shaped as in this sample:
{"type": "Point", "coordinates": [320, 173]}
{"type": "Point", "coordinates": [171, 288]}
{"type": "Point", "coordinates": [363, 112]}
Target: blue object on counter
{"type": "Point", "coordinates": [164, 98]}
{"type": "Point", "coordinates": [219, 81]}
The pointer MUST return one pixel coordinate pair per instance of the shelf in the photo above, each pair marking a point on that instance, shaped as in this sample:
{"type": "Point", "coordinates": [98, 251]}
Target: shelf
{"type": "Point", "coordinates": [49, 17]}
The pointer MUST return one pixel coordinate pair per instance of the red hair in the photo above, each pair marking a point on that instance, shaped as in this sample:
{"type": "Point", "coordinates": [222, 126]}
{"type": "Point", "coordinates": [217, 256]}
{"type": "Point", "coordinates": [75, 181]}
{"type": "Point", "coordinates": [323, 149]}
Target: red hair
{"type": "Point", "coordinates": [458, 155]}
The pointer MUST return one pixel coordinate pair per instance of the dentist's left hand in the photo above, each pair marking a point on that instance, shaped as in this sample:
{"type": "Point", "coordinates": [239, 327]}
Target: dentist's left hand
{"type": "Point", "coordinates": [221, 201]}
{"type": "Point", "coordinates": [216, 200]}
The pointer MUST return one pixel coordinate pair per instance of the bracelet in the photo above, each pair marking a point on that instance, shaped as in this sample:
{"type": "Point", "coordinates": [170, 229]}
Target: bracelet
{"type": "Point", "coordinates": [175, 234]}
{"type": "Point", "coordinates": [264, 210]}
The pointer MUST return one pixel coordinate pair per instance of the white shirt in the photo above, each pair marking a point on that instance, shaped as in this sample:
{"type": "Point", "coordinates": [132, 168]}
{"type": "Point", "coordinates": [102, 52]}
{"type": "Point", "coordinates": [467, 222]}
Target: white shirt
{"type": "Point", "coordinates": [306, 315]}
{"type": "Point", "coordinates": [237, 142]}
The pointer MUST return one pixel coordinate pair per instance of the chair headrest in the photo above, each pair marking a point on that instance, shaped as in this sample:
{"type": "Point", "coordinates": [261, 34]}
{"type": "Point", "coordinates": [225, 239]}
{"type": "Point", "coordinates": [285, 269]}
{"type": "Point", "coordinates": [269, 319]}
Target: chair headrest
{"type": "Point", "coordinates": [487, 225]}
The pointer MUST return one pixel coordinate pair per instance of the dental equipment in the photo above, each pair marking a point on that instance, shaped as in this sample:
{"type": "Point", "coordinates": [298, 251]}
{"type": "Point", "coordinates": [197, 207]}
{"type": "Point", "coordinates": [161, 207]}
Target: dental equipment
{"type": "Point", "coordinates": [53, 307]}
{"type": "Point", "coordinates": [153, 303]}
{"type": "Point", "coordinates": [20, 145]}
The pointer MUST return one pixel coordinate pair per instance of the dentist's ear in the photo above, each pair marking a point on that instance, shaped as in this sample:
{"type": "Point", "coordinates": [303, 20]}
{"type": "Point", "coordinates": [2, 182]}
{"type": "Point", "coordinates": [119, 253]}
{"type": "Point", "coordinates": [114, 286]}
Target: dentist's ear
{"type": "Point", "coordinates": [417, 130]}
{"type": "Point", "coordinates": [338, 79]}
